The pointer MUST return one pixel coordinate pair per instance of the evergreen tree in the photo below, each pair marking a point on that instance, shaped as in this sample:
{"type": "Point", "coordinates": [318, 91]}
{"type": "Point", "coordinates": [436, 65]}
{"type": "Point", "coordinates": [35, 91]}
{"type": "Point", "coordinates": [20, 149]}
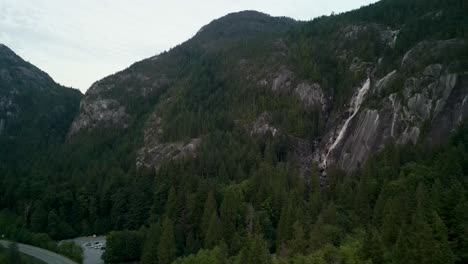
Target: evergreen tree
{"type": "Point", "coordinates": [361, 203]}
{"type": "Point", "coordinates": [442, 252]}
{"type": "Point", "coordinates": [167, 246]}
{"type": "Point", "coordinates": [214, 234]}
{"type": "Point", "coordinates": [284, 228]}
{"type": "Point", "coordinates": [123, 246]}
{"type": "Point", "coordinates": [209, 208]}
{"type": "Point", "coordinates": [372, 247]}
{"type": "Point", "coordinates": [459, 232]}
{"type": "Point", "coordinates": [255, 252]}
{"type": "Point", "coordinates": [171, 203]}
{"type": "Point", "coordinates": [298, 244]}
{"type": "Point", "coordinates": [53, 224]}
{"type": "Point", "coordinates": [229, 213]}
{"type": "Point", "coordinates": [150, 250]}
{"type": "Point", "coordinates": [39, 217]}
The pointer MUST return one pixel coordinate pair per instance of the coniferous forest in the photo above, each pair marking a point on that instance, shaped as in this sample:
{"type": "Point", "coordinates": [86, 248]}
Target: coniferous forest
{"type": "Point", "coordinates": [242, 198]}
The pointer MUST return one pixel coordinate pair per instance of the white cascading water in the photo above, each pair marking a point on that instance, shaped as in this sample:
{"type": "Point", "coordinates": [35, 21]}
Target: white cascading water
{"type": "Point", "coordinates": [356, 102]}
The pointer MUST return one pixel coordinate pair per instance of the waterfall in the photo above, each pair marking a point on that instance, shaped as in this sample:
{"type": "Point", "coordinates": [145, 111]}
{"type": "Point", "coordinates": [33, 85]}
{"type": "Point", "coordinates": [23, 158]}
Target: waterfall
{"type": "Point", "coordinates": [356, 102]}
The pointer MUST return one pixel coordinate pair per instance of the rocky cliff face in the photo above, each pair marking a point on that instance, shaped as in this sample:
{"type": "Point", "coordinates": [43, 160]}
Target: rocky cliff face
{"type": "Point", "coordinates": [429, 100]}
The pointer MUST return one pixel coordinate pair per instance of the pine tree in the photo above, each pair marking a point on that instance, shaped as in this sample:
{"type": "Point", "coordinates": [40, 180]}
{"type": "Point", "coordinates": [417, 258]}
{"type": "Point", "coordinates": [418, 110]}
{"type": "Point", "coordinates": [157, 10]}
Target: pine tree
{"type": "Point", "coordinates": [150, 250]}
{"type": "Point", "coordinates": [318, 235]}
{"type": "Point", "coordinates": [171, 203]}
{"type": "Point", "coordinates": [284, 228]}
{"type": "Point", "coordinates": [53, 224]}
{"type": "Point", "coordinates": [391, 222]}
{"type": "Point", "coordinates": [38, 217]}
{"type": "Point", "coordinates": [270, 154]}
{"type": "Point", "coordinates": [401, 249]}
{"type": "Point", "coordinates": [459, 231]}
{"type": "Point", "coordinates": [209, 208]}
{"type": "Point", "coordinates": [192, 245]}
{"type": "Point", "coordinates": [361, 202]}
{"type": "Point", "coordinates": [255, 251]}
{"type": "Point", "coordinates": [324, 230]}
{"type": "Point", "coordinates": [442, 252]}
{"type": "Point", "coordinates": [372, 247]}
{"type": "Point", "coordinates": [315, 199]}
{"type": "Point", "coordinates": [236, 244]}
{"type": "Point", "coordinates": [167, 247]}
{"type": "Point", "coordinates": [214, 234]}
{"type": "Point", "coordinates": [229, 214]}
{"type": "Point", "coordinates": [298, 244]}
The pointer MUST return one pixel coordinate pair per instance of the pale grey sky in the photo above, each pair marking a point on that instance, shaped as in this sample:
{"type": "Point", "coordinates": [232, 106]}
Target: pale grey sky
{"type": "Point", "coordinates": [81, 41]}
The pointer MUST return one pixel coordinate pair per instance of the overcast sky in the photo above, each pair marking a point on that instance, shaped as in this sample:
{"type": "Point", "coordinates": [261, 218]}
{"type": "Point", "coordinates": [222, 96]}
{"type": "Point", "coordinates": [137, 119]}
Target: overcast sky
{"type": "Point", "coordinates": [79, 42]}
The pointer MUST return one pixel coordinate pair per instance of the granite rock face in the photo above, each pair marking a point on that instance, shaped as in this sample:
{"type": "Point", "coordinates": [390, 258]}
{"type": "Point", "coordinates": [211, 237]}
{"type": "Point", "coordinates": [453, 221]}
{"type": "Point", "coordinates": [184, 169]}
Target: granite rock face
{"type": "Point", "coordinates": [154, 152]}
{"type": "Point", "coordinates": [311, 95]}
{"type": "Point", "coordinates": [432, 98]}
{"type": "Point", "coordinates": [100, 114]}
{"type": "Point", "coordinates": [106, 103]}
{"type": "Point", "coordinates": [262, 126]}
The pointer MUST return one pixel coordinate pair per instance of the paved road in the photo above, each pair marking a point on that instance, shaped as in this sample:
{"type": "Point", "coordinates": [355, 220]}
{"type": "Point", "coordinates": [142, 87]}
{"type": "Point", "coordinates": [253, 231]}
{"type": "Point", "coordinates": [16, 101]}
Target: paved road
{"type": "Point", "coordinates": [41, 254]}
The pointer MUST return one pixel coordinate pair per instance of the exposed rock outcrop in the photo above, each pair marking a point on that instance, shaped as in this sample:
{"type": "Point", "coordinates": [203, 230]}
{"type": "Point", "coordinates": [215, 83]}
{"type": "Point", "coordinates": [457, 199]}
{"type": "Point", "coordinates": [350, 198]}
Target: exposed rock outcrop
{"type": "Point", "coordinates": [311, 96]}
{"type": "Point", "coordinates": [433, 97]}
{"type": "Point", "coordinates": [283, 82]}
{"type": "Point", "coordinates": [154, 152]}
{"type": "Point", "coordinates": [99, 114]}
{"type": "Point", "coordinates": [262, 126]}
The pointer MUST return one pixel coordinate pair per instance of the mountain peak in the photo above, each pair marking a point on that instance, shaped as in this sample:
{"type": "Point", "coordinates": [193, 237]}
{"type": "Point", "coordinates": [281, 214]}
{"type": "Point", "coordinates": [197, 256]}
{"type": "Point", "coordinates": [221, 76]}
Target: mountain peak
{"type": "Point", "coordinates": [245, 23]}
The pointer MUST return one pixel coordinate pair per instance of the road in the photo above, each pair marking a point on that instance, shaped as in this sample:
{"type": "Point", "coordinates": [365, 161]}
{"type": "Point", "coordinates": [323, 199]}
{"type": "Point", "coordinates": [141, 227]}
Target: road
{"type": "Point", "coordinates": [41, 254]}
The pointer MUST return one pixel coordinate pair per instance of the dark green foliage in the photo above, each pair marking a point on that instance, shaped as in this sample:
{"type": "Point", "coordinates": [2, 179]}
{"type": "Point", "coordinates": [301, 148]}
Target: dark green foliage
{"type": "Point", "coordinates": [123, 246]}
{"type": "Point", "coordinates": [70, 249]}
{"type": "Point", "coordinates": [12, 227]}
{"type": "Point", "coordinates": [240, 200]}
{"type": "Point", "coordinates": [167, 248]}
{"type": "Point", "coordinates": [214, 256]}
{"type": "Point", "coordinates": [150, 250]}
{"type": "Point", "coordinates": [255, 251]}
{"type": "Point", "coordinates": [214, 233]}
{"type": "Point", "coordinates": [209, 209]}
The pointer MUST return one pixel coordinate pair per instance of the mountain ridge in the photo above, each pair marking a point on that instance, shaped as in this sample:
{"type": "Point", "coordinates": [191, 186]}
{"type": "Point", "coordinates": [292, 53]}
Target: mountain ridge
{"type": "Point", "coordinates": [34, 110]}
{"type": "Point", "coordinates": [281, 74]}
{"type": "Point", "coordinates": [338, 140]}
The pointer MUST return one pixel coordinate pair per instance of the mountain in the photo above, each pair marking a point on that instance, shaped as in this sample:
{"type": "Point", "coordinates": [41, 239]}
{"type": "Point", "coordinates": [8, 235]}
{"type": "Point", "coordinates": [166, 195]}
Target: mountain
{"type": "Point", "coordinates": [354, 82]}
{"type": "Point", "coordinates": [34, 110]}
{"type": "Point", "coordinates": [264, 139]}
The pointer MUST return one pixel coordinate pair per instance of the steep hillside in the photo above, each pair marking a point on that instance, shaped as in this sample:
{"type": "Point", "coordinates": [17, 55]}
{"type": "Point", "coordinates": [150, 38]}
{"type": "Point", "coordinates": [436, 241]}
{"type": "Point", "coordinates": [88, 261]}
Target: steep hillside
{"type": "Point", "coordinates": [350, 83]}
{"type": "Point", "coordinates": [268, 140]}
{"type": "Point", "coordinates": [35, 112]}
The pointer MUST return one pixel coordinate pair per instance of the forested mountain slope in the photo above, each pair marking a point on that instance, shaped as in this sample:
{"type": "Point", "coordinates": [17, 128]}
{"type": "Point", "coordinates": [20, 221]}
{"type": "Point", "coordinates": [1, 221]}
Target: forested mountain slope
{"type": "Point", "coordinates": [35, 112]}
{"type": "Point", "coordinates": [264, 139]}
